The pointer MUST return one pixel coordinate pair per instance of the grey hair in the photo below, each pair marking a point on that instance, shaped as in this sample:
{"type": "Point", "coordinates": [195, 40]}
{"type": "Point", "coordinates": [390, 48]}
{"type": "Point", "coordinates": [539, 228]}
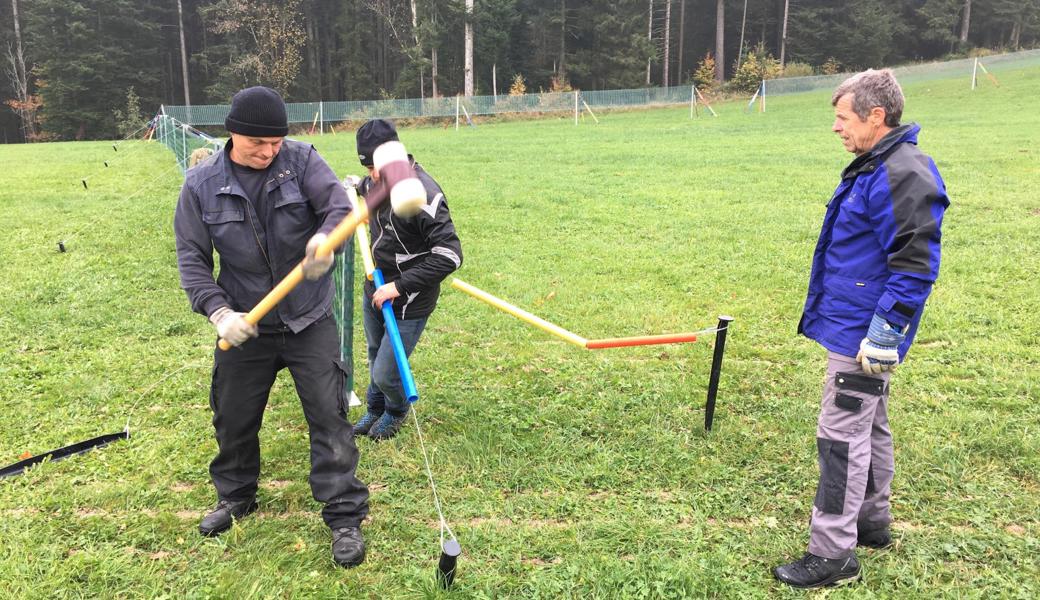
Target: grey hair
{"type": "Point", "coordinates": [871, 89]}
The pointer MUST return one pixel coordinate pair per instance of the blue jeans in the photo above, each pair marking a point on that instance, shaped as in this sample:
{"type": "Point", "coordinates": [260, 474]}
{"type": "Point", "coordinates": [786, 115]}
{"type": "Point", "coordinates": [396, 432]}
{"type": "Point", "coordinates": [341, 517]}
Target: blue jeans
{"type": "Point", "coordinates": [385, 390]}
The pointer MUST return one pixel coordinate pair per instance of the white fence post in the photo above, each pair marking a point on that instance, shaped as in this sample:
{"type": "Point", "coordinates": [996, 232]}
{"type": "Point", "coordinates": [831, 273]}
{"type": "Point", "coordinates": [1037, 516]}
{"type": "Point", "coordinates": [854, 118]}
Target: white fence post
{"type": "Point", "coordinates": [974, 72]}
{"type": "Point", "coordinates": [575, 107]}
{"type": "Point", "coordinates": [457, 104]}
{"type": "Point", "coordinates": [321, 117]}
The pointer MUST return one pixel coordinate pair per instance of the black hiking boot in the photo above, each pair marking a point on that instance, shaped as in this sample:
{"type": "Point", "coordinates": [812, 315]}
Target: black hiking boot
{"type": "Point", "coordinates": [813, 571]}
{"type": "Point", "coordinates": [387, 426]}
{"type": "Point", "coordinates": [365, 423]}
{"type": "Point", "coordinates": [877, 539]}
{"type": "Point", "coordinates": [348, 546]}
{"type": "Point", "coordinates": [220, 518]}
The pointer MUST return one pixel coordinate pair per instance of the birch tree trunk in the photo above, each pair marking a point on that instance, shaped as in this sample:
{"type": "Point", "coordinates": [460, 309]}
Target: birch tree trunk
{"type": "Point", "coordinates": [667, 39]}
{"type": "Point", "coordinates": [26, 111]}
{"type": "Point", "coordinates": [720, 39]}
{"type": "Point", "coordinates": [682, 27]}
{"type": "Point", "coordinates": [649, 36]}
{"type": "Point", "coordinates": [468, 91]}
{"type": "Point", "coordinates": [184, 55]}
{"type": "Point", "coordinates": [965, 22]}
{"type": "Point", "coordinates": [783, 35]}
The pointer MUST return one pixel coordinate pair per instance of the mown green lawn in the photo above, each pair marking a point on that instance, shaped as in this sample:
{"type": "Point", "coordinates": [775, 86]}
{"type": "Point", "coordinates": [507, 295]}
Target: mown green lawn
{"type": "Point", "coordinates": [564, 473]}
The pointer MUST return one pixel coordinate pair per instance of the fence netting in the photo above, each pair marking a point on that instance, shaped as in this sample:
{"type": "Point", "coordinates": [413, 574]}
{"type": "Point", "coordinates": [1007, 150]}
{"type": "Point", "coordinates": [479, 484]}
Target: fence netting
{"type": "Point", "coordinates": [321, 114]}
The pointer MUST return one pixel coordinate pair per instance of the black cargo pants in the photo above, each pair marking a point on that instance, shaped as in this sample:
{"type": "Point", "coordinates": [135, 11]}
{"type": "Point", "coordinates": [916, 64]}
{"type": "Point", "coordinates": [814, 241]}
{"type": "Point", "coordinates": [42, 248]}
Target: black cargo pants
{"type": "Point", "coordinates": [242, 380]}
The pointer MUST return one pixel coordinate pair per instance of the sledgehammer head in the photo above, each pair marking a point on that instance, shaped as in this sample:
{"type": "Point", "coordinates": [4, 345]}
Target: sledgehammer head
{"type": "Point", "coordinates": [407, 194]}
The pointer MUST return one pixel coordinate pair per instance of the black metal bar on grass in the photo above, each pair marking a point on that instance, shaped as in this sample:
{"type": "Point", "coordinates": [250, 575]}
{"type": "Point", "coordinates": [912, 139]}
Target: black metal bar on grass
{"type": "Point", "coordinates": [61, 453]}
{"type": "Point", "coordinates": [716, 370]}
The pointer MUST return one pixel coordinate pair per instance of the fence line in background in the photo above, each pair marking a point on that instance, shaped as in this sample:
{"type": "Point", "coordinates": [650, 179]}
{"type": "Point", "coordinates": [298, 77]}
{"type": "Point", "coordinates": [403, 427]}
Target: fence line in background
{"type": "Point", "coordinates": [322, 113]}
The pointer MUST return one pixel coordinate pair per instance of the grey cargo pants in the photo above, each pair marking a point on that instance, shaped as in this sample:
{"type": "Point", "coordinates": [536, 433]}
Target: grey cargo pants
{"type": "Point", "coordinates": [854, 445]}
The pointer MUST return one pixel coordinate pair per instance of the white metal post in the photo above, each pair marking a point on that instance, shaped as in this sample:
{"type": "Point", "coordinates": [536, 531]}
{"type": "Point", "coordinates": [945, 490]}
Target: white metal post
{"type": "Point", "coordinates": [974, 72]}
{"type": "Point", "coordinates": [575, 107]}
{"type": "Point", "coordinates": [457, 104]}
{"type": "Point", "coordinates": [321, 117]}
{"type": "Point", "coordinates": [763, 95]}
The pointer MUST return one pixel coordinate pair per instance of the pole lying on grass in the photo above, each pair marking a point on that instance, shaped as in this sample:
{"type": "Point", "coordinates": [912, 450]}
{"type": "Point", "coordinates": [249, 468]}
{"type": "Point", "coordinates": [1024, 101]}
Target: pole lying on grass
{"type": "Point", "coordinates": [519, 313]}
{"type": "Point", "coordinates": [577, 340]}
{"type": "Point", "coordinates": [647, 340]}
{"type": "Point", "coordinates": [62, 453]}
{"type": "Point", "coordinates": [397, 181]}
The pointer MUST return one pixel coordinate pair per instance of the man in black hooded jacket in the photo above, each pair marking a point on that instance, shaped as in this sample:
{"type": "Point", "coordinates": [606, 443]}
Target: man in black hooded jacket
{"type": "Point", "coordinates": [415, 254]}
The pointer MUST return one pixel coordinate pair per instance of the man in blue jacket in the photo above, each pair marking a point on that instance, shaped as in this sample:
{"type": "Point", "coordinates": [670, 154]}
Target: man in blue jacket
{"type": "Point", "coordinates": [873, 268]}
{"type": "Point", "coordinates": [265, 203]}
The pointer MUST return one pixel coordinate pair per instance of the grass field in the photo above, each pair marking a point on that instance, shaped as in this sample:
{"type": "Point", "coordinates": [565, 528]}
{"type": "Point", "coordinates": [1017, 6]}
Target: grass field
{"type": "Point", "coordinates": [564, 473]}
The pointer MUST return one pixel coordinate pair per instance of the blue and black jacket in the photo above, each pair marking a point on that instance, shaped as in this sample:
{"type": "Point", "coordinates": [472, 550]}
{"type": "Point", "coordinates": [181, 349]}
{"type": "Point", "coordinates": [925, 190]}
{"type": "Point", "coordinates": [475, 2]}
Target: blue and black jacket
{"type": "Point", "coordinates": [878, 250]}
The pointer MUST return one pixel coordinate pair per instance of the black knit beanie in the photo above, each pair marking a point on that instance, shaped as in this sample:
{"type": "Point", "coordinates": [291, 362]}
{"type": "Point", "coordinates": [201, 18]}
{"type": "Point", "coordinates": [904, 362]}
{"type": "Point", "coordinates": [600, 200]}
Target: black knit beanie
{"type": "Point", "coordinates": [372, 135]}
{"type": "Point", "coordinates": [258, 112]}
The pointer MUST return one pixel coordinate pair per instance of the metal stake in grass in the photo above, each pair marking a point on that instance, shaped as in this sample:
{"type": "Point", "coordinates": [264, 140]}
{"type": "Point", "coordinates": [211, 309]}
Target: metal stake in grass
{"type": "Point", "coordinates": [450, 551]}
{"type": "Point", "coordinates": [716, 370]}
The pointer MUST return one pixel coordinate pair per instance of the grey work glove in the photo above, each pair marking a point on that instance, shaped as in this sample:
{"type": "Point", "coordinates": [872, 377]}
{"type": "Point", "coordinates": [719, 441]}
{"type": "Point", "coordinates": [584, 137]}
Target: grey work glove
{"type": "Point", "coordinates": [232, 326]}
{"type": "Point", "coordinates": [315, 266]}
{"type": "Point", "coordinates": [879, 351]}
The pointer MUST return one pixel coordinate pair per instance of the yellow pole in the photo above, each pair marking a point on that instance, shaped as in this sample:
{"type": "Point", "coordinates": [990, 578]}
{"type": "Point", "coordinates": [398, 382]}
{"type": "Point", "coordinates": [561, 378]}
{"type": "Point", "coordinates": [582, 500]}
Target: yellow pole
{"type": "Point", "coordinates": [519, 313]}
{"type": "Point", "coordinates": [362, 236]}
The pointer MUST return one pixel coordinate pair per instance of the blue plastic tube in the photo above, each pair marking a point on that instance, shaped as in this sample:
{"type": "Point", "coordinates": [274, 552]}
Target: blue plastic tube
{"type": "Point", "coordinates": [394, 334]}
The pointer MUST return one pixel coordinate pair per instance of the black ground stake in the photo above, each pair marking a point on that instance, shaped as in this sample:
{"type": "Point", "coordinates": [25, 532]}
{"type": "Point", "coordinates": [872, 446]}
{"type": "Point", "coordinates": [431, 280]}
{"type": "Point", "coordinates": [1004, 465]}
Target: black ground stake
{"type": "Point", "coordinates": [716, 370]}
{"type": "Point", "coordinates": [61, 453]}
{"type": "Point", "coordinates": [84, 181]}
{"type": "Point", "coordinates": [450, 551]}
{"type": "Point", "coordinates": [61, 246]}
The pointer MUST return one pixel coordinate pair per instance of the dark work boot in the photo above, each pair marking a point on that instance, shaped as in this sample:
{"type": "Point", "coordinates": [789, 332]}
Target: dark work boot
{"type": "Point", "coordinates": [348, 546]}
{"type": "Point", "coordinates": [813, 571]}
{"type": "Point", "coordinates": [365, 423]}
{"type": "Point", "coordinates": [220, 518]}
{"type": "Point", "coordinates": [877, 539]}
{"type": "Point", "coordinates": [387, 426]}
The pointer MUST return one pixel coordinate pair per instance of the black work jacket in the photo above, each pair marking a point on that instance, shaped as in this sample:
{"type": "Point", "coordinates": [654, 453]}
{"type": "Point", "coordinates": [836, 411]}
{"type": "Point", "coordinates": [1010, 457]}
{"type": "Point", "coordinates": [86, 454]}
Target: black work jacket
{"type": "Point", "coordinates": [417, 252]}
{"type": "Point", "coordinates": [305, 197]}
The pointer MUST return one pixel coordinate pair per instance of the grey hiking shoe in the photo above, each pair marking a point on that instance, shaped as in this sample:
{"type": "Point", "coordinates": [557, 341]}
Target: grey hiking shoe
{"type": "Point", "coordinates": [365, 423]}
{"type": "Point", "coordinates": [877, 539]}
{"type": "Point", "coordinates": [387, 426]}
{"type": "Point", "coordinates": [813, 571]}
{"type": "Point", "coordinates": [348, 546]}
{"type": "Point", "coordinates": [220, 518]}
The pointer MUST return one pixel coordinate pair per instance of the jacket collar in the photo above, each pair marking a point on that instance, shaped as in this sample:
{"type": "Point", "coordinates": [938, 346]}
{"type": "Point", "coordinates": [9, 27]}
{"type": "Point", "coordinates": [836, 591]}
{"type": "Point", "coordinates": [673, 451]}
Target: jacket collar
{"type": "Point", "coordinates": [868, 162]}
{"type": "Point", "coordinates": [229, 184]}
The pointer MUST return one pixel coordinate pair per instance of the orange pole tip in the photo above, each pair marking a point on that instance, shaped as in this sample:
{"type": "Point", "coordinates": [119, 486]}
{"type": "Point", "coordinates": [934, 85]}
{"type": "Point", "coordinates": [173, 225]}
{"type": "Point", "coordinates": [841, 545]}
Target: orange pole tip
{"type": "Point", "coordinates": [642, 340]}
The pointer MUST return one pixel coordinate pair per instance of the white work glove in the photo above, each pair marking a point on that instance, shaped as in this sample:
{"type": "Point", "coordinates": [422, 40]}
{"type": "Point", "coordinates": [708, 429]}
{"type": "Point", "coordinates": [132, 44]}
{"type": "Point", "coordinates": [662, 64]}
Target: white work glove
{"type": "Point", "coordinates": [879, 351]}
{"type": "Point", "coordinates": [316, 266]}
{"type": "Point", "coordinates": [232, 326]}
{"type": "Point", "coordinates": [352, 180]}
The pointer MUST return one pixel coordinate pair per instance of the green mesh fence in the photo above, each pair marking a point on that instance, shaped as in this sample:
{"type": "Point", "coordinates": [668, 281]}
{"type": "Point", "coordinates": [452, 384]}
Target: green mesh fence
{"type": "Point", "coordinates": [321, 114]}
{"type": "Point", "coordinates": [183, 139]}
{"type": "Point", "coordinates": [912, 73]}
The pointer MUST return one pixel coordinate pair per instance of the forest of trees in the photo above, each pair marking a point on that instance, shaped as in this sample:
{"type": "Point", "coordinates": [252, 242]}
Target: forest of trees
{"type": "Point", "coordinates": [70, 65]}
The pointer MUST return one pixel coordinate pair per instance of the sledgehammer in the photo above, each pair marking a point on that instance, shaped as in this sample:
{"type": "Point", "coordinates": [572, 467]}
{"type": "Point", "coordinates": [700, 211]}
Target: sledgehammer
{"type": "Point", "coordinates": [407, 196]}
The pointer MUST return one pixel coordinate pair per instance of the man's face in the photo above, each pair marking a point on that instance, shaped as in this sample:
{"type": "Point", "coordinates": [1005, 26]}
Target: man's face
{"type": "Point", "coordinates": [857, 135]}
{"type": "Point", "coordinates": [254, 152]}
{"type": "Point", "coordinates": [372, 172]}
